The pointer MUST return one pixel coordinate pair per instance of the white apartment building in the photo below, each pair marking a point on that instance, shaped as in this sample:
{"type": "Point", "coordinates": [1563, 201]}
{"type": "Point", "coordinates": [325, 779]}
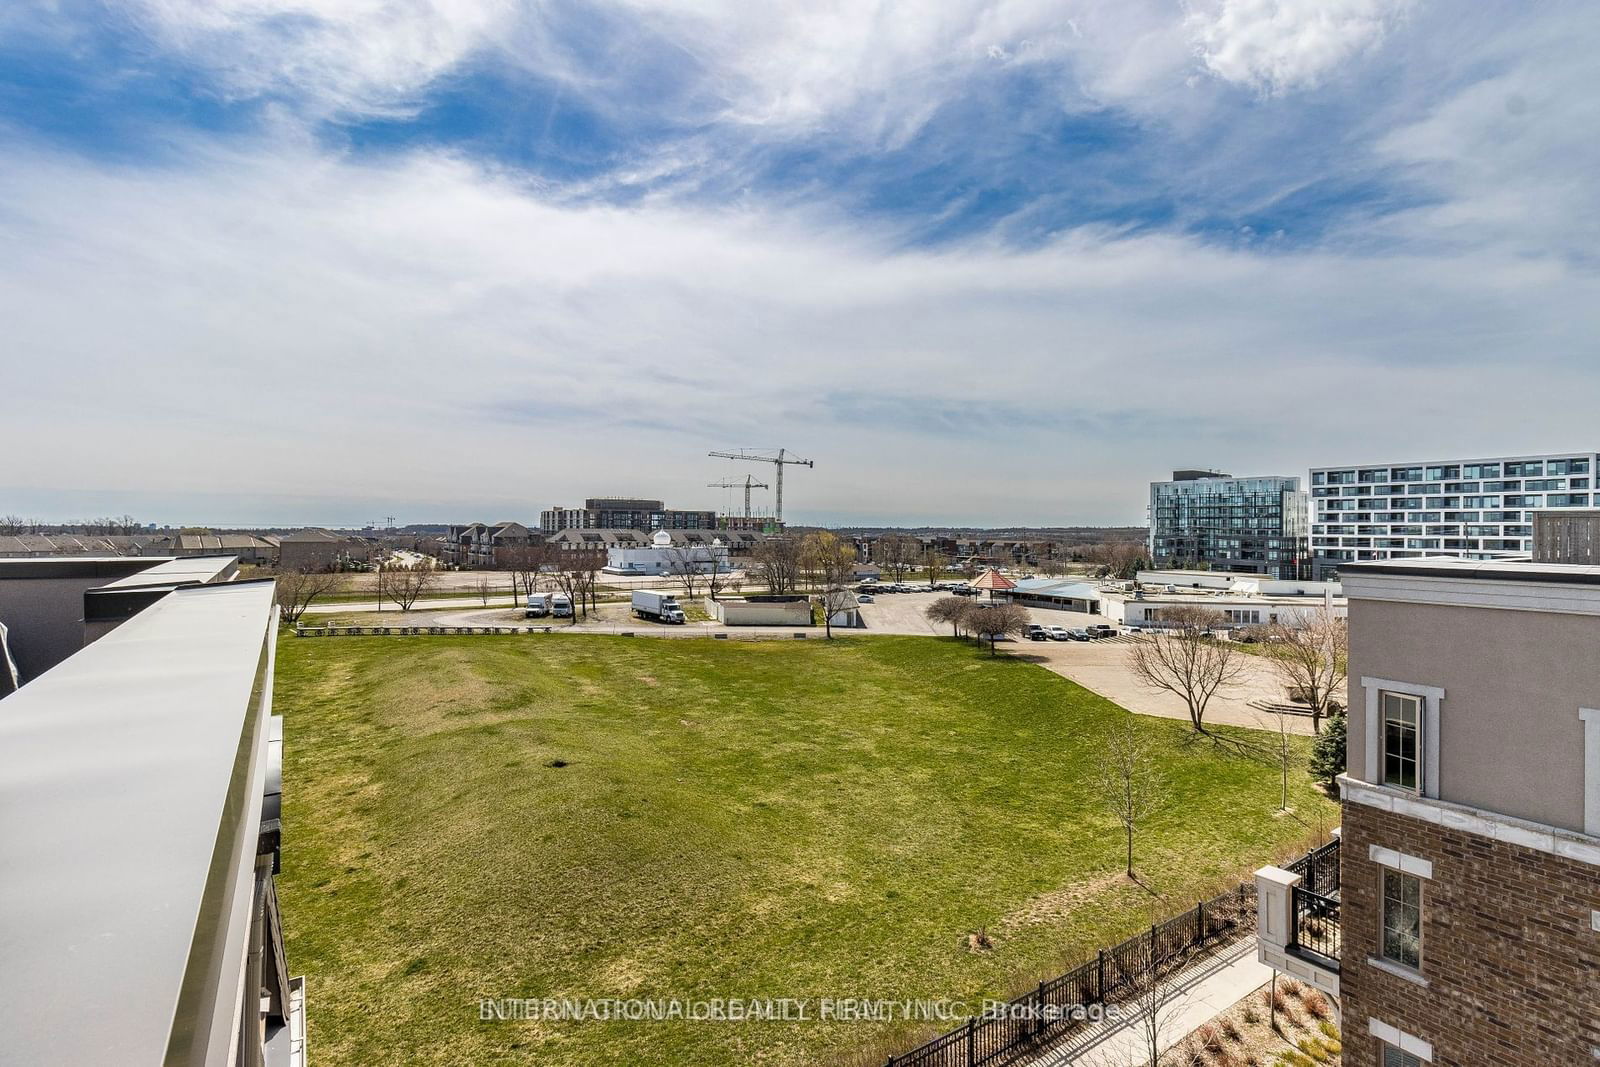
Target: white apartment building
{"type": "Point", "coordinates": [1476, 508]}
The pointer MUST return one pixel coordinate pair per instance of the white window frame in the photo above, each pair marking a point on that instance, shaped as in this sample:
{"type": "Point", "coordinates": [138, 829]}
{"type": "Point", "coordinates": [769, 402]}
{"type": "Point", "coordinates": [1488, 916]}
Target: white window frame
{"type": "Point", "coordinates": [1590, 718]}
{"type": "Point", "coordinates": [1399, 1039]}
{"type": "Point", "coordinates": [1427, 744]}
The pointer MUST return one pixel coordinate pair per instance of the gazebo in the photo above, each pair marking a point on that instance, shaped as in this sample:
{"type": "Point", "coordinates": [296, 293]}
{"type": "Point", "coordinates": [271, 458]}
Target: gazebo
{"type": "Point", "coordinates": [993, 581]}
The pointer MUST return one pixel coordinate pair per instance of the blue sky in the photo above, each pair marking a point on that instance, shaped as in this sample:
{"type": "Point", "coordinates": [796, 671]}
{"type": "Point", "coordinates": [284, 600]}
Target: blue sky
{"type": "Point", "coordinates": [275, 261]}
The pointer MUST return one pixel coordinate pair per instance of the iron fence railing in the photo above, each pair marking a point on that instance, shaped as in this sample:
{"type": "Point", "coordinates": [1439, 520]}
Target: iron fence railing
{"type": "Point", "coordinates": [1114, 974]}
{"type": "Point", "coordinates": [1316, 924]}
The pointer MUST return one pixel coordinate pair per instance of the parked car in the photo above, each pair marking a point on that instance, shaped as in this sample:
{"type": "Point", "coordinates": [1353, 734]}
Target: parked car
{"type": "Point", "coordinates": [1076, 634]}
{"type": "Point", "coordinates": [865, 598]}
{"type": "Point", "coordinates": [1031, 629]}
{"type": "Point", "coordinates": [1103, 630]}
{"type": "Point", "coordinates": [1038, 635]}
{"type": "Point", "coordinates": [1059, 633]}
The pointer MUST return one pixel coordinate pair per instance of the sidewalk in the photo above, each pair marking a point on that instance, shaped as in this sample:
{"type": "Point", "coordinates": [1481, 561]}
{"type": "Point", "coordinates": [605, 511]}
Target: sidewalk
{"type": "Point", "coordinates": [1201, 992]}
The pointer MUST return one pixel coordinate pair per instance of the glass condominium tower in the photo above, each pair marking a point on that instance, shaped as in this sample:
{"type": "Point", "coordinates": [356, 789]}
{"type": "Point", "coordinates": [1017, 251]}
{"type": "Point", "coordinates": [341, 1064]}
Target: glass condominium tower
{"type": "Point", "coordinates": [1248, 525]}
{"type": "Point", "coordinates": [1476, 508]}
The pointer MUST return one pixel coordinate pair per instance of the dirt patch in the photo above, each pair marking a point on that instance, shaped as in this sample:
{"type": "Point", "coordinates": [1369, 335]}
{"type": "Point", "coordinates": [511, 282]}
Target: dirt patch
{"type": "Point", "coordinates": [1057, 904]}
{"type": "Point", "coordinates": [1306, 1035]}
{"type": "Point", "coordinates": [651, 680]}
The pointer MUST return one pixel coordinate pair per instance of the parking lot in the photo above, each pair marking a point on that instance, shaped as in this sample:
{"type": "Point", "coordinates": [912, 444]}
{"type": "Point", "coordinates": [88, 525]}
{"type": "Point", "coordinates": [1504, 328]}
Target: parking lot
{"type": "Point", "coordinates": [1100, 666]}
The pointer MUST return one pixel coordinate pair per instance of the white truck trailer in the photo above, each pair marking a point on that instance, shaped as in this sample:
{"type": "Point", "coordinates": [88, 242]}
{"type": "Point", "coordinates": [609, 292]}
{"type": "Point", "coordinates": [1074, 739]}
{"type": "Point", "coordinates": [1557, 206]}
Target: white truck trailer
{"type": "Point", "coordinates": [538, 606]}
{"type": "Point", "coordinates": [662, 607]}
{"type": "Point", "coordinates": [561, 606]}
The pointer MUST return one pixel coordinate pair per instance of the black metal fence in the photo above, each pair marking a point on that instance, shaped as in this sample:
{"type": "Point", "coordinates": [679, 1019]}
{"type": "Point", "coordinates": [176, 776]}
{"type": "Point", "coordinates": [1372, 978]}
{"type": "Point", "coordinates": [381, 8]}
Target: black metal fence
{"type": "Point", "coordinates": [1316, 924]}
{"type": "Point", "coordinates": [1048, 1012]}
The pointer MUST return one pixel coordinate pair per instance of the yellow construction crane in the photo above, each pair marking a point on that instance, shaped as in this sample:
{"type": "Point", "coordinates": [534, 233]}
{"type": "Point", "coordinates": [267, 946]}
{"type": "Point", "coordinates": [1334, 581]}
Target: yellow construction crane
{"type": "Point", "coordinates": [780, 458]}
{"type": "Point", "coordinates": [749, 483]}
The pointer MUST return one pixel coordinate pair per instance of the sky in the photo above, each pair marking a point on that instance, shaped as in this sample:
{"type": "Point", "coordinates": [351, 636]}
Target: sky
{"type": "Point", "coordinates": [988, 263]}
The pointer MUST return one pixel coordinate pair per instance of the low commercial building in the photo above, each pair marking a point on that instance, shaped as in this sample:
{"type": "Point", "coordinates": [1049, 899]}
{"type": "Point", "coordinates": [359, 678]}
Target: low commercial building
{"type": "Point", "coordinates": [665, 555]}
{"type": "Point", "coordinates": [140, 830]}
{"type": "Point", "coordinates": [23, 545]}
{"type": "Point", "coordinates": [1059, 594]}
{"type": "Point", "coordinates": [762, 611]}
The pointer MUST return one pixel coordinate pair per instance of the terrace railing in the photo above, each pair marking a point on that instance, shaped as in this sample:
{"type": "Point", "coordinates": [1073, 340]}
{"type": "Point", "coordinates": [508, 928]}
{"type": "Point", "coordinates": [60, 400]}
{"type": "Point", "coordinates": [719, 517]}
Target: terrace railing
{"type": "Point", "coordinates": [1115, 974]}
{"type": "Point", "coordinates": [1315, 925]}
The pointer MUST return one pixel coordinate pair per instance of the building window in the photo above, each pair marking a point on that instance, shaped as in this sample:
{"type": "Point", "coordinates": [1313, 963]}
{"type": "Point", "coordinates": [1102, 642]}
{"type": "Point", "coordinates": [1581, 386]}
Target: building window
{"type": "Point", "coordinates": [1402, 723]}
{"type": "Point", "coordinates": [1402, 919]}
{"type": "Point", "coordinates": [1393, 1057]}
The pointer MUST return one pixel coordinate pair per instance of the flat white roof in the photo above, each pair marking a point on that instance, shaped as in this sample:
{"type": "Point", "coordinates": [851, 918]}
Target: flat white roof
{"type": "Point", "coordinates": [116, 769]}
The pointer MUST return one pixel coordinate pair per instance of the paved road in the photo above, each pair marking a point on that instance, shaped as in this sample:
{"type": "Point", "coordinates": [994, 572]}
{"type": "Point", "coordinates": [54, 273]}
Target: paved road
{"type": "Point", "coordinates": [1099, 666]}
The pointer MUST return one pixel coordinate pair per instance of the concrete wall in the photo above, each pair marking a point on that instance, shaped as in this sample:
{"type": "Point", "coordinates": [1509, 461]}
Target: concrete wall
{"type": "Point", "coordinates": [760, 613]}
{"type": "Point", "coordinates": [1509, 737]}
{"type": "Point", "coordinates": [45, 614]}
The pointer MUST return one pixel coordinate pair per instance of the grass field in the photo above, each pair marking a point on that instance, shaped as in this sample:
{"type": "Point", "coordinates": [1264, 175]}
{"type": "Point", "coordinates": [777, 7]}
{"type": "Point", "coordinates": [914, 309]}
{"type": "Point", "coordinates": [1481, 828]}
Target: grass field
{"type": "Point", "coordinates": [581, 816]}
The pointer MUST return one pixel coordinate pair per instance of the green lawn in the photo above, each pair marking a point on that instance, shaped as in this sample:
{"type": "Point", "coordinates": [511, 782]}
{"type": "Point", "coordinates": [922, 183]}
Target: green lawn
{"type": "Point", "coordinates": [733, 819]}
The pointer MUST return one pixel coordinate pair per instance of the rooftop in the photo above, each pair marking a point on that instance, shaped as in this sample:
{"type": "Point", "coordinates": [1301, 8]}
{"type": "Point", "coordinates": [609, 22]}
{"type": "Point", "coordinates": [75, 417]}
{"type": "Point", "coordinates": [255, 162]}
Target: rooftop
{"type": "Point", "coordinates": [123, 770]}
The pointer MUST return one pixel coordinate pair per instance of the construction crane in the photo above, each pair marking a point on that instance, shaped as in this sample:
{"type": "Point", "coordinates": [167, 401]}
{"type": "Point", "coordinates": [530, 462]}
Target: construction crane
{"type": "Point", "coordinates": [749, 483]}
{"type": "Point", "coordinates": [765, 455]}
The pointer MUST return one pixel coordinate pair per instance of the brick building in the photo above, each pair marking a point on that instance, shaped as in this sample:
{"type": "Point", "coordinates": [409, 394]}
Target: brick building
{"type": "Point", "coordinates": [1465, 926]}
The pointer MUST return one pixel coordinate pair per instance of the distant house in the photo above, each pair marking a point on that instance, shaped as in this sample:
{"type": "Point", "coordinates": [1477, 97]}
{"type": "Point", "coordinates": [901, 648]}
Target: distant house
{"type": "Point", "coordinates": [262, 551]}
{"type": "Point", "coordinates": [15, 546]}
{"type": "Point", "coordinates": [316, 549]}
{"type": "Point", "coordinates": [480, 545]}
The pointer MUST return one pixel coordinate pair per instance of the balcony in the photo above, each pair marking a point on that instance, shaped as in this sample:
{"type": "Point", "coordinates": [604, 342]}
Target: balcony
{"type": "Point", "coordinates": [1297, 925]}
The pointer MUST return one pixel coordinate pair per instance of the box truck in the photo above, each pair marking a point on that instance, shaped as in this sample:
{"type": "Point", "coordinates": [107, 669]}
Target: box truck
{"type": "Point", "coordinates": [538, 606]}
{"type": "Point", "coordinates": [649, 604]}
{"type": "Point", "coordinates": [561, 606]}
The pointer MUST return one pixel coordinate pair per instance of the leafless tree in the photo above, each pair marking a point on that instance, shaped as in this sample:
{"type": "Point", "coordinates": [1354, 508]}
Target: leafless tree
{"type": "Point", "coordinates": [934, 562]}
{"type": "Point", "coordinates": [717, 573]}
{"type": "Point", "coordinates": [1129, 779]}
{"type": "Point", "coordinates": [1311, 660]}
{"type": "Point", "coordinates": [951, 610]}
{"type": "Point", "coordinates": [1149, 989]}
{"type": "Point", "coordinates": [832, 566]}
{"type": "Point", "coordinates": [296, 589]}
{"type": "Point", "coordinates": [777, 564]}
{"type": "Point", "coordinates": [525, 562]}
{"type": "Point", "coordinates": [1115, 559]}
{"type": "Point", "coordinates": [995, 620]}
{"type": "Point", "coordinates": [684, 569]}
{"type": "Point", "coordinates": [404, 585]}
{"type": "Point", "coordinates": [575, 573]}
{"type": "Point", "coordinates": [11, 525]}
{"type": "Point", "coordinates": [1282, 753]}
{"type": "Point", "coordinates": [484, 589]}
{"type": "Point", "coordinates": [896, 555]}
{"type": "Point", "coordinates": [1186, 660]}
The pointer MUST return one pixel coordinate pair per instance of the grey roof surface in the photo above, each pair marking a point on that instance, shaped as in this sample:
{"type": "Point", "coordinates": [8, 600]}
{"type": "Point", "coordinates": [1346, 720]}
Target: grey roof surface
{"type": "Point", "coordinates": [1504, 570]}
{"type": "Point", "coordinates": [183, 570]}
{"type": "Point", "coordinates": [115, 767]}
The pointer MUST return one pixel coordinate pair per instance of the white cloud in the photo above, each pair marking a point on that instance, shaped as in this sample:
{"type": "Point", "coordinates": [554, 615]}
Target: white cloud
{"type": "Point", "coordinates": [1279, 45]}
{"type": "Point", "coordinates": [441, 338]}
{"type": "Point", "coordinates": [332, 55]}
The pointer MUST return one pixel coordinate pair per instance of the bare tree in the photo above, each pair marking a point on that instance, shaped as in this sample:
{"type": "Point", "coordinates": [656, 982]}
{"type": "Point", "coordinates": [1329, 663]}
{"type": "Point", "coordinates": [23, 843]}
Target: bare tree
{"type": "Point", "coordinates": [684, 569]}
{"type": "Point", "coordinates": [995, 620]}
{"type": "Point", "coordinates": [832, 565]}
{"type": "Point", "coordinates": [1188, 661]}
{"type": "Point", "coordinates": [934, 562]}
{"type": "Point", "coordinates": [717, 573]}
{"type": "Point", "coordinates": [1129, 779]}
{"type": "Point", "coordinates": [952, 610]}
{"type": "Point", "coordinates": [777, 564]}
{"type": "Point", "coordinates": [1115, 559]}
{"type": "Point", "coordinates": [896, 555]}
{"type": "Point", "coordinates": [1149, 990]}
{"type": "Point", "coordinates": [575, 574]}
{"type": "Point", "coordinates": [525, 563]}
{"type": "Point", "coordinates": [1282, 753]}
{"type": "Point", "coordinates": [296, 589]}
{"type": "Point", "coordinates": [1311, 660]}
{"type": "Point", "coordinates": [12, 524]}
{"type": "Point", "coordinates": [404, 585]}
{"type": "Point", "coordinates": [484, 589]}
